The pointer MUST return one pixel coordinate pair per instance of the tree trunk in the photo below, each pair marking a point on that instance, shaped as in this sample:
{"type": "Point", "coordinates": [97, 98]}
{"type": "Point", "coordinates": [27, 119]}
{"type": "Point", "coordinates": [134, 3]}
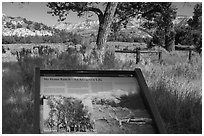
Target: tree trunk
{"type": "Point", "coordinates": [169, 40]}
{"type": "Point", "coordinates": [105, 23]}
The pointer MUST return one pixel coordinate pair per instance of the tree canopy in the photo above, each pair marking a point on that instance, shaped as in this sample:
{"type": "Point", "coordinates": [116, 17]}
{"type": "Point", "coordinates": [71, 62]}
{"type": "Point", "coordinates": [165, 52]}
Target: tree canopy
{"type": "Point", "coordinates": [196, 21]}
{"type": "Point", "coordinates": [81, 8]}
{"type": "Point", "coordinates": [159, 15]}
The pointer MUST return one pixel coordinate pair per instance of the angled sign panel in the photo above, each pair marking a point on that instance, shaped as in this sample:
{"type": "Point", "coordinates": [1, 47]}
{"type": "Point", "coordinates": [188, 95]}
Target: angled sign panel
{"type": "Point", "coordinates": [116, 102]}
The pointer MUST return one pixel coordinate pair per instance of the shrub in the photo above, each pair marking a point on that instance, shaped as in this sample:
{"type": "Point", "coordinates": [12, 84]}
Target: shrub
{"type": "Point", "coordinates": [70, 60]}
{"type": "Point", "coordinates": [27, 66]}
{"type": "Point", "coordinates": [67, 112]}
{"type": "Point", "coordinates": [109, 61]}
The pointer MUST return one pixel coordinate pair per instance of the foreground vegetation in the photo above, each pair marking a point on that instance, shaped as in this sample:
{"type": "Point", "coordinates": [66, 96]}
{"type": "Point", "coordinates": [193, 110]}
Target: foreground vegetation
{"type": "Point", "coordinates": [177, 92]}
{"type": "Point", "coordinates": [175, 85]}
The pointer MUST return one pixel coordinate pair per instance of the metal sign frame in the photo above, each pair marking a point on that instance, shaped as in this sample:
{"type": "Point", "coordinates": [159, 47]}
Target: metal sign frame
{"type": "Point", "coordinates": [145, 94]}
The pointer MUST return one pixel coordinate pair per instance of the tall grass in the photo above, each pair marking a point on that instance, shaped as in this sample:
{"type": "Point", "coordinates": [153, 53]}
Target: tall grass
{"type": "Point", "coordinates": [17, 104]}
{"type": "Point", "coordinates": [175, 87]}
{"type": "Point", "coordinates": [177, 92]}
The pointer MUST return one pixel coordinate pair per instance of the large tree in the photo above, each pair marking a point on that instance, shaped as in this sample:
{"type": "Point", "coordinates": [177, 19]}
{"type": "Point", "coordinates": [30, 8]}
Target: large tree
{"type": "Point", "coordinates": [196, 21]}
{"type": "Point", "coordinates": [159, 18]}
{"type": "Point", "coordinates": [105, 16]}
{"type": "Point", "coordinates": [196, 25]}
{"type": "Point", "coordinates": [189, 32]}
{"type": "Point", "coordinates": [160, 14]}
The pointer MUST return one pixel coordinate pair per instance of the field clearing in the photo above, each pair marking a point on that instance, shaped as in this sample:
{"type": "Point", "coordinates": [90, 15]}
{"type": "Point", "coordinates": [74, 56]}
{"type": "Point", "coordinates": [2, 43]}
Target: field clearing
{"type": "Point", "coordinates": [61, 46]}
{"type": "Point", "coordinates": [169, 58]}
{"type": "Point", "coordinates": [17, 47]}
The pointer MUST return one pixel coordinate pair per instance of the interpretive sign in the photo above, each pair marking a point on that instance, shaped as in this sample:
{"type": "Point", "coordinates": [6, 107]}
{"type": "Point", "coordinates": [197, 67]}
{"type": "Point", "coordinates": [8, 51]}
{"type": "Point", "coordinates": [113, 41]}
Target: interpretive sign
{"type": "Point", "coordinates": [89, 101]}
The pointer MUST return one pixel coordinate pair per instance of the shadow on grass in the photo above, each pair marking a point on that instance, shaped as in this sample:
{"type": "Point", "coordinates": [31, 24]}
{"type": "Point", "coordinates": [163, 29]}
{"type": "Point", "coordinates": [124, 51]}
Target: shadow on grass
{"type": "Point", "coordinates": [17, 118]}
{"type": "Point", "coordinates": [132, 101]}
{"type": "Point", "coordinates": [17, 104]}
{"type": "Point", "coordinates": [182, 113]}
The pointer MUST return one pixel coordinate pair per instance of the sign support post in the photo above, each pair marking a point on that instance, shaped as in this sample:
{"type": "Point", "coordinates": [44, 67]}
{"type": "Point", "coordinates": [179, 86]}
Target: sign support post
{"type": "Point", "coordinates": [37, 102]}
{"type": "Point", "coordinates": [150, 102]}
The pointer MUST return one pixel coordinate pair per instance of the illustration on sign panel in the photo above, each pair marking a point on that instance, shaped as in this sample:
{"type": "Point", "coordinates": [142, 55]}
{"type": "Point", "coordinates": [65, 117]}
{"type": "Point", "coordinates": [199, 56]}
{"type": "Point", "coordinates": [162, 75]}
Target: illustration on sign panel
{"type": "Point", "coordinates": [93, 105]}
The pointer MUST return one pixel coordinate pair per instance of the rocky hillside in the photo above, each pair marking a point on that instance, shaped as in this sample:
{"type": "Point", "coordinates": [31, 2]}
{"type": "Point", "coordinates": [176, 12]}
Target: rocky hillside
{"type": "Point", "coordinates": [89, 24]}
{"type": "Point", "coordinates": [22, 27]}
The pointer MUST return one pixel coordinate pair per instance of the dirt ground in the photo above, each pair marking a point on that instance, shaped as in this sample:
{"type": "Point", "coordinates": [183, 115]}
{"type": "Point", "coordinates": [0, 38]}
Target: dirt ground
{"type": "Point", "coordinates": [107, 120]}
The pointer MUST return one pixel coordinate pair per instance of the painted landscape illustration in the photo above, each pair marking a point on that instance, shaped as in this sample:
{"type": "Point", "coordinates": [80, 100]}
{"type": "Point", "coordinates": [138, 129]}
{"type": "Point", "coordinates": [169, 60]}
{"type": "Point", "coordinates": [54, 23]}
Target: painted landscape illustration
{"type": "Point", "coordinates": [116, 110]}
{"type": "Point", "coordinates": [162, 39]}
{"type": "Point", "coordinates": [102, 118]}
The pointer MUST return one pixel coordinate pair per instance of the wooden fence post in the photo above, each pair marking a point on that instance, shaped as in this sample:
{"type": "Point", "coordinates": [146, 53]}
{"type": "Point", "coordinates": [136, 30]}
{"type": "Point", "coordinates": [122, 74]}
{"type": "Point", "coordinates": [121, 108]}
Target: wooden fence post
{"type": "Point", "coordinates": [137, 56]}
{"type": "Point", "coordinates": [189, 56]}
{"type": "Point", "coordinates": [160, 56]}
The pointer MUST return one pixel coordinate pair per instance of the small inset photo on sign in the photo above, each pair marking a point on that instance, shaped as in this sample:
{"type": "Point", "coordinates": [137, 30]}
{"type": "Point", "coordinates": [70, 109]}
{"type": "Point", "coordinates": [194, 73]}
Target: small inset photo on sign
{"type": "Point", "coordinates": [103, 105]}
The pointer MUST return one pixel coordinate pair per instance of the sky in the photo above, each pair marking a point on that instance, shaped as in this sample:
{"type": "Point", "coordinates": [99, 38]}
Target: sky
{"type": "Point", "coordinates": [37, 12]}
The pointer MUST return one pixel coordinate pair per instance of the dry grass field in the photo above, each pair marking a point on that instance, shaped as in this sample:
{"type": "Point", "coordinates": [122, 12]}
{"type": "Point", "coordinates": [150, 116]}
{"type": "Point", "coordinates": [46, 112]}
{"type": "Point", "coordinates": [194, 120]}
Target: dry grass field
{"type": "Point", "coordinates": [175, 84]}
